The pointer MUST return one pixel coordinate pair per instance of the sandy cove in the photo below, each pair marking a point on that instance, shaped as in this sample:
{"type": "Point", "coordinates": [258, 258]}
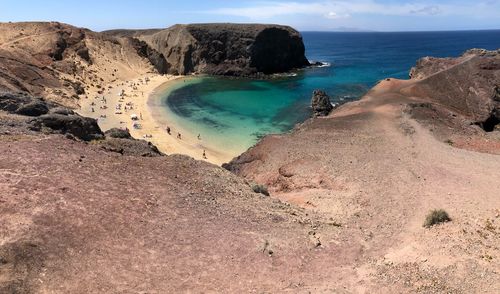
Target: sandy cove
{"type": "Point", "coordinates": [141, 94]}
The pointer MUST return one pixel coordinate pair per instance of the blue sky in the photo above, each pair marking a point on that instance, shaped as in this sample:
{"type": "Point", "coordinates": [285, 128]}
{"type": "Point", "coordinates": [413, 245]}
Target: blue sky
{"type": "Point", "coordinates": [321, 15]}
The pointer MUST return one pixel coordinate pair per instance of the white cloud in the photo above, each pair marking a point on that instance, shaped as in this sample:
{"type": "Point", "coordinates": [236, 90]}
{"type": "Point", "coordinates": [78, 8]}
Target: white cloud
{"type": "Point", "coordinates": [427, 10]}
{"type": "Point", "coordinates": [334, 9]}
{"type": "Point", "coordinates": [334, 15]}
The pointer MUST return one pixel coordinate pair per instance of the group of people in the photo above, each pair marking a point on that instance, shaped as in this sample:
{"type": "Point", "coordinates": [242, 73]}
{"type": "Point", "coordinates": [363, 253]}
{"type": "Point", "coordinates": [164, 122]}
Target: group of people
{"type": "Point", "coordinates": [130, 106]}
{"type": "Point", "coordinates": [179, 136]}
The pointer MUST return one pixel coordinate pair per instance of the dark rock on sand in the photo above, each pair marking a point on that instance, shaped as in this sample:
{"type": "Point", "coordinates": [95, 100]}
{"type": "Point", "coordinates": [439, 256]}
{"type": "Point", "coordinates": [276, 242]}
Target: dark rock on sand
{"type": "Point", "coordinates": [118, 133]}
{"type": "Point", "coordinates": [62, 110]}
{"type": "Point", "coordinates": [34, 108]}
{"type": "Point", "coordinates": [84, 128]}
{"type": "Point", "coordinates": [23, 104]}
{"type": "Point", "coordinates": [11, 102]}
{"type": "Point", "coordinates": [320, 103]}
{"type": "Point", "coordinates": [130, 146]}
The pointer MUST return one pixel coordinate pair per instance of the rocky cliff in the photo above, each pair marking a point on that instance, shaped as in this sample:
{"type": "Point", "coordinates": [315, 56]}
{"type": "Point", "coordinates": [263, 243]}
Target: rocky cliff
{"type": "Point", "coordinates": [226, 49]}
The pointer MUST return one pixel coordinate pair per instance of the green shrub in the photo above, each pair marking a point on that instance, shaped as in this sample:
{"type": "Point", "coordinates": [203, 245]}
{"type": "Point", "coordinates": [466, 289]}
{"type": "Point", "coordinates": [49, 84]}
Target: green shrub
{"type": "Point", "coordinates": [262, 189]}
{"type": "Point", "coordinates": [436, 216]}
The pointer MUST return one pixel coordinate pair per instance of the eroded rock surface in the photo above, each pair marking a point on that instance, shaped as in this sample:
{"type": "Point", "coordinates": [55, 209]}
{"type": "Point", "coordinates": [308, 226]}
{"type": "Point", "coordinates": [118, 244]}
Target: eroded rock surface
{"type": "Point", "coordinates": [320, 103]}
{"type": "Point", "coordinates": [226, 49]}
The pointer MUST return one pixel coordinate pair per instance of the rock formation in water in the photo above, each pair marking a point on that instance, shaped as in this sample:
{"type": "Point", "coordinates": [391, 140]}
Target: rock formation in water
{"type": "Point", "coordinates": [226, 49]}
{"type": "Point", "coordinates": [320, 103]}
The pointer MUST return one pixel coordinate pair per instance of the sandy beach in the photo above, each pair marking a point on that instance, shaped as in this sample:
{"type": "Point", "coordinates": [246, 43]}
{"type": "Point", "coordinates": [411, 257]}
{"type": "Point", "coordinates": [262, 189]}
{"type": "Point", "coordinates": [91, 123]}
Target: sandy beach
{"type": "Point", "coordinates": [140, 97]}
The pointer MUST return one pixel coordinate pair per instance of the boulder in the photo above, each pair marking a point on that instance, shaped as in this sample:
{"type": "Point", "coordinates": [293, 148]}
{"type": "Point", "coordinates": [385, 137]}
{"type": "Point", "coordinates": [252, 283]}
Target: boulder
{"type": "Point", "coordinates": [11, 102]}
{"type": "Point", "coordinates": [118, 133]}
{"type": "Point", "coordinates": [320, 103]}
{"type": "Point", "coordinates": [33, 108]}
{"type": "Point", "coordinates": [130, 147]}
{"type": "Point", "coordinates": [84, 128]}
{"type": "Point", "coordinates": [62, 110]}
{"type": "Point", "coordinates": [496, 94]}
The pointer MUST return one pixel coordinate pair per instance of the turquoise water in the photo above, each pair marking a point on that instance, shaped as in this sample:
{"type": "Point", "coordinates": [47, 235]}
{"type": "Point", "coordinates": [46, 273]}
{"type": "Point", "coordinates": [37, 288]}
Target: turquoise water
{"type": "Point", "coordinates": [232, 114]}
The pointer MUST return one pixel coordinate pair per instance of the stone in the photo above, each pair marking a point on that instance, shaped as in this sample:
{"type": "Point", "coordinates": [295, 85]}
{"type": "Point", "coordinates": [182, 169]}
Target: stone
{"type": "Point", "coordinates": [62, 110]}
{"type": "Point", "coordinates": [320, 103]}
{"type": "Point", "coordinates": [118, 133]}
{"type": "Point", "coordinates": [84, 128]}
{"type": "Point", "coordinates": [34, 108]}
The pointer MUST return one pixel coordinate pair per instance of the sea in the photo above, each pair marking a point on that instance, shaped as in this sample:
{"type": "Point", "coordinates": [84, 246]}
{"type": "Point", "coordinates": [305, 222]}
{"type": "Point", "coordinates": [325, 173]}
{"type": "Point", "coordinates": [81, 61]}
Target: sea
{"type": "Point", "coordinates": [233, 114]}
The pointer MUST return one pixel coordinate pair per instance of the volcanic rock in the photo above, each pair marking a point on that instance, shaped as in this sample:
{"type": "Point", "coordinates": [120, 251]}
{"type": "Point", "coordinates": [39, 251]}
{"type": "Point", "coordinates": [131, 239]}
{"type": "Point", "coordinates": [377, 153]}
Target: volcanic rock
{"type": "Point", "coordinates": [84, 128]}
{"type": "Point", "coordinates": [320, 103]}
{"type": "Point", "coordinates": [34, 108]}
{"type": "Point", "coordinates": [118, 133]}
{"type": "Point", "coordinates": [225, 49]}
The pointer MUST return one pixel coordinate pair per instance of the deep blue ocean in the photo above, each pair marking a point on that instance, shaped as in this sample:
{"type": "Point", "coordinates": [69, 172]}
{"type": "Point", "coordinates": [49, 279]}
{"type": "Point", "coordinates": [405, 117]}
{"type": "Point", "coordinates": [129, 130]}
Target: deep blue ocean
{"type": "Point", "coordinates": [234, 113]}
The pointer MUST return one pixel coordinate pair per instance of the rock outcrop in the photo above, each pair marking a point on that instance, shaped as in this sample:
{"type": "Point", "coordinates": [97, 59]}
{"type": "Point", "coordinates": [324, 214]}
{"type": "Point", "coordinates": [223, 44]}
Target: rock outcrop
{"type": "Point", "coordinates": [118, 133]}
{"type": "Point", "coordinates": [226, 49]}
{"type": "Point", "coordinates": [467, 85]}
{"type": "Point", "coordinates": [84, 128]}
{"type": "Point", "coordinates": [320, 103]}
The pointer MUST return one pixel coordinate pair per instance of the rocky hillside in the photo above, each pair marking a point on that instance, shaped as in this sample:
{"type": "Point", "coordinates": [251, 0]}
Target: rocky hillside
{"type": "Point", "coordinates": [468, 85]}
{"type": "Point", "coordinates": [226, 49]}
{"type": "Point", "coordinates": [61, 62]}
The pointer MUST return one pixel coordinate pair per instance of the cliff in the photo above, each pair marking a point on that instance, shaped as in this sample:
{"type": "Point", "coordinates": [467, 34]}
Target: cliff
{"type": "Point", "coordinates": [226, 49]}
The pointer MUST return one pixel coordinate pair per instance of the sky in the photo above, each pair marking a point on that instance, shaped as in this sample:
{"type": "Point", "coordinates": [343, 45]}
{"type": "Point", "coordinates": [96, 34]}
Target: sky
{"type": "Point", "coordinates": [312, 15]}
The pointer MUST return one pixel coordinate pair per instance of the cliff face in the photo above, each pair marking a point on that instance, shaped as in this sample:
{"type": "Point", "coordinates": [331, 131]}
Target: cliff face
{"type": "Point", "coordinates": [227, 49]}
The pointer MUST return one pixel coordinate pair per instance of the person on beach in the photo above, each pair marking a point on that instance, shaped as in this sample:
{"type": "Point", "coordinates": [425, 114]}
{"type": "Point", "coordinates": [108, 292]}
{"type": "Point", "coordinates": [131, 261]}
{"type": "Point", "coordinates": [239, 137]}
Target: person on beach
{"type": "Point", "coordinates": [204, 154]}
{"type": "Point", "coordinates": [199, 137]}
{"type": "Point", "coordinates": [179, 136]}
{"type": "Point", "coordinates": [168, 130]}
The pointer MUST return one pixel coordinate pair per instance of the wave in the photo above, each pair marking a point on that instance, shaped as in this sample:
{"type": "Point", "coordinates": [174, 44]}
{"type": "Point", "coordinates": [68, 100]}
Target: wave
{"type": "Point", "coordinates": [320, 64]}
{"type": "Point", "coordinates": [285, 75]}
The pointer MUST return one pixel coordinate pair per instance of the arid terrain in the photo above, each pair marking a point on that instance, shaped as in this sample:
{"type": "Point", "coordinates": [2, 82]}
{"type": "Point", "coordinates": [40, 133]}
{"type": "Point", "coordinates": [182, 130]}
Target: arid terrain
{"type": "Point", "coordinates": [87, 212]}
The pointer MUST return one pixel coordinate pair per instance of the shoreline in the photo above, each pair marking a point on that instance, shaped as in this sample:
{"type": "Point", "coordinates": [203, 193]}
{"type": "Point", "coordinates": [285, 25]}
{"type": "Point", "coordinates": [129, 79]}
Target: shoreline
{"type": "Point", "coordinates": [143, 95]}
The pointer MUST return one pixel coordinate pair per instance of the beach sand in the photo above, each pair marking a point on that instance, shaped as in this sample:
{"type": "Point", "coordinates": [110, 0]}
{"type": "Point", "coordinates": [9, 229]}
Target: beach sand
{"type": "Point", "coordinates": [146, 104]}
